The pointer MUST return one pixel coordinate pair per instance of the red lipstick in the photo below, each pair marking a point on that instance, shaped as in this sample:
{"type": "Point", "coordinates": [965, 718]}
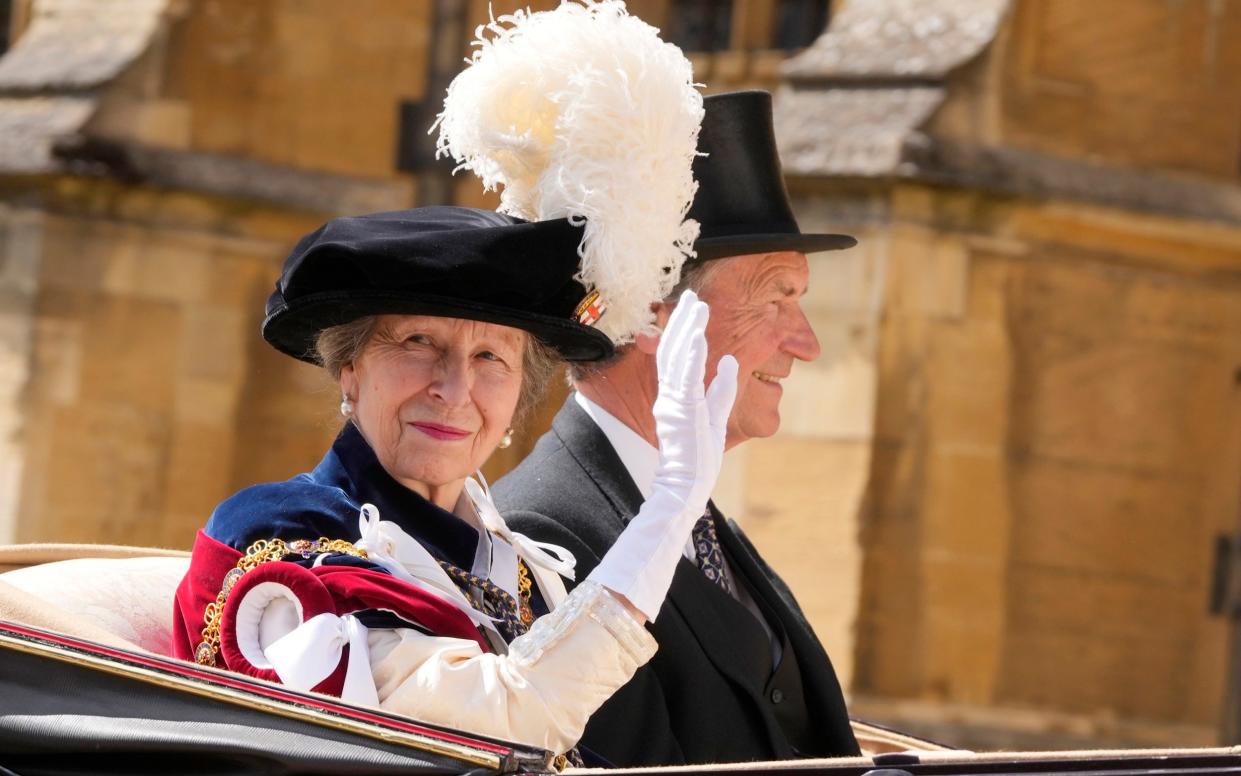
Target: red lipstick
{"type": "Point", "coordinates": [439, 431]}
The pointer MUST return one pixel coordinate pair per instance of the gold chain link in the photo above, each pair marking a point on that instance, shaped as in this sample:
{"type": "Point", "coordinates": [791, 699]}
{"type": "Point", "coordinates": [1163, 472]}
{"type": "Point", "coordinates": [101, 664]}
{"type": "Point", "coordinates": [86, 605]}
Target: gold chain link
{"type": "Point", "coordinates": [524, 585]}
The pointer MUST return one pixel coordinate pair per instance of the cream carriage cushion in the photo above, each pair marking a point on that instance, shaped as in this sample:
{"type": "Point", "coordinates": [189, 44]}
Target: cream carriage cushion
{"type": "Point", "coordinates": [129, 597]}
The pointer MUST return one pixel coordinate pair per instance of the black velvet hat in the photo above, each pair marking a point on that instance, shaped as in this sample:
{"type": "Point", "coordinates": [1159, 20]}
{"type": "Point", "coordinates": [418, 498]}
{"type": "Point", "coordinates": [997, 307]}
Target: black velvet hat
{"type": "Point", "coordinates": [445, 261]}
{"type": "Point", "coordinates": [742, 205]}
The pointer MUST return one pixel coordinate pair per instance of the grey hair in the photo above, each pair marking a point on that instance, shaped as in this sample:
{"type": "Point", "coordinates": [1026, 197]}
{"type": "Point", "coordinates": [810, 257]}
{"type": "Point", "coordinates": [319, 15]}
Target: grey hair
{"type": "Point", "coordinates": [338, 346]}
{"type": "Point", "coordinates": [694, 277]}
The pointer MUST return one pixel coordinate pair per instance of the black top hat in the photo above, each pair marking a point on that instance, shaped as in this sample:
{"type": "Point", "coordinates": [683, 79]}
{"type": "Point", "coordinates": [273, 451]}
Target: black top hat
{"type": "Point", "coordinates": [447, 261]}
{"type": "Point", "coordinates": [742, 206]}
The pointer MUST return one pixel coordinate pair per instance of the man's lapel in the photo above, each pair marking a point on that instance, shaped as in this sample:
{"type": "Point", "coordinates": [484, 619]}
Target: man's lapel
{"type": "Point", "coordinates": [590, 447]}
{"type": "Point", "coordinates": [717, 621]}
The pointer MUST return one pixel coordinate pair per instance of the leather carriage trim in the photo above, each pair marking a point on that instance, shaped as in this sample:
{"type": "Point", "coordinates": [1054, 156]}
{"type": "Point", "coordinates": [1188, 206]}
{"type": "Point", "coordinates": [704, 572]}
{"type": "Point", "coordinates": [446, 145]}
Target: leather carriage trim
{"type": "Point", "coordinates": [232, 688]}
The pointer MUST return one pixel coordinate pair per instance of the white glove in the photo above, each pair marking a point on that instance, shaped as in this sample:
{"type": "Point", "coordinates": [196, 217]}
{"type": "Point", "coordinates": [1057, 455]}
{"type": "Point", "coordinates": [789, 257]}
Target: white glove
{"type": "Point", "coordinates": [691, 426]}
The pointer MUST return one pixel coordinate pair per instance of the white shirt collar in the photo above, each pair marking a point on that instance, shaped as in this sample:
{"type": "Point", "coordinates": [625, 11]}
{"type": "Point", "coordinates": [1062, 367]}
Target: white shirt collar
{"type": "Point", "coordinates": [639, 457]}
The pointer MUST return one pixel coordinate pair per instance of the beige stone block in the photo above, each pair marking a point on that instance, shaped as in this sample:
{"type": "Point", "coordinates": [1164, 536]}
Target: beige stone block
{"type": "Point", "coordinates": [74, 254]}
{"type": "Point", "coordinates": [1104, 605]}
{"type": "Point", "coordinates": [902, 384]}
{"type": "Point", "coordinates": [338, 142]}
{"type": "Point", "coordinates": [890, 656]}
{"type": "Point", "coordinates": [211, 403]}
{"type": "Point", "coordinates": [286, 420]}
{"type": "Point", "coordinates": [108, 481]}
{"type": "Point", "coordinates": [31, 510]}
{"type": "Point", "coordinates": [1073, 515]}
{"type": "Point", "coordinates": [132, 352]}
{"type": "Point", "coordinates": [1126, 84]}
{"type": "Point", "coordinates": [22, 237]}
{"type": "Point", "coordinates": [241, 282]}
{"type": "Point", "coordinates": [1088, 642]}
{"type": "Point", "coordinates": [258, 77]}
{"type": "Point", "coordinates": [12, 469]}
{"type": "Point", "coordinates": [214, 342]}
{"type": "Point", "coordinates": [164, 267]}
{"type": "Point", "coordinates": [268, 233]}
{"type": "Point", "coordinates": [199, 477]}
{"type": "Point", "coordinates": [1204, 695]}
{"type": "Point", "coordinates": [1147, 240]}
{"type": "Point", "coordinates": [929, 272]}
{"type": "Point", "coordinates": [894, 494]}
{"type": "Point", "coordinates": [57, 361]}
{"type": "Point", "coordinates": [1100, 406]}
{"type": "Point", "coordinates": [191, 214]}
{"type": "Point", "coordinates": [963, 620]}
{"type": "Point", "coordinates": [966, 508]}
{"type": "Point", "coordinates": [968, 390]}
{"type": "Point", "coordinates": [274, 451]}
{"type": "Point", "coordinates": [834, 396]}
{"type": "Point", "coordinates": [165, 123]}
{"type": "Point", "coordinates": [730, 66]}
{"type": "Point", "coordinates": [915, 203]}
{"type": "Point", "coordinates": [848, 282]}
{"type": "Point", "coordinates": [1104, 379]}
{"type": "Point", "coordinates": [307, 39]}
{"type": "Point", "coordinates": [14, 375]}
{"type": "Point", "coordinates": [988, 286]}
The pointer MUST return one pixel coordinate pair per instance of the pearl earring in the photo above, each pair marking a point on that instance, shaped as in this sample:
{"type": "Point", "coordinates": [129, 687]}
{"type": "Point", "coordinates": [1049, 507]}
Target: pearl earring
{"type": "Point", "coordinates": [346, 406]}
{"type": "Point", "coordinates": [506, 440]}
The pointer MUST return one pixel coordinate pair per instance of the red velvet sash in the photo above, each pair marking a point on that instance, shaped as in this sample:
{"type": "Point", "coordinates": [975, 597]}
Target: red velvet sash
{"type": "Point", "coordinates": [337, 589]}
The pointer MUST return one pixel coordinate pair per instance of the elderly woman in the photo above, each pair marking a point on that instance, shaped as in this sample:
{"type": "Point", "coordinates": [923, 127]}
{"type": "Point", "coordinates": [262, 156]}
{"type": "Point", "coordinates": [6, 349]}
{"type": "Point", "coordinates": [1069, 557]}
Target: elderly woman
{"type": "Point", "coordinates": [385, 575]}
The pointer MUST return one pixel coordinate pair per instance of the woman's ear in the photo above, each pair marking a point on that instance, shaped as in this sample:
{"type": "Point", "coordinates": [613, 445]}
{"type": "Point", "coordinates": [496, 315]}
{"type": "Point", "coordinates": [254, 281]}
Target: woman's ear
{"type": "Point", "coordinates": [348, 382]}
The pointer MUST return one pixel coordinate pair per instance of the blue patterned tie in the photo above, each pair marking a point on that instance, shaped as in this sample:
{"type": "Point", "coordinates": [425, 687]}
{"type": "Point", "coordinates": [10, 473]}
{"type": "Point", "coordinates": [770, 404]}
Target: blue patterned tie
{"type": "Point", "coordinates": [709, 556]}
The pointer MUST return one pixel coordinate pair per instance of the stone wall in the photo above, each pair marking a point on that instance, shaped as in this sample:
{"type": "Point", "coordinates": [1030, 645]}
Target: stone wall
{"type": "Point", "coordinates": [1148, 83]}
{"type": "Point", "coordinates": [1056, 430]}
{"type": "Point", "coordinates": [147, 380]}
{"type": "Point", "coordinates": [1057, 441]}
{"type": "Point", "coordinates": [312, 85]}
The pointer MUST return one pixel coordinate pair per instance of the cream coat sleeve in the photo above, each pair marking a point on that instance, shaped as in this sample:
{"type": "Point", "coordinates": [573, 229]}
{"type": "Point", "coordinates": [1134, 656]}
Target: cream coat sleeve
{"type": "Point", "coordinates": [541, 693]}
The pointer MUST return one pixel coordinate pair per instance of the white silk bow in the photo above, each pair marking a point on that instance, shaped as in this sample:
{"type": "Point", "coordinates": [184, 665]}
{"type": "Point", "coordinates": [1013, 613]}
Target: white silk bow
{"type": "Point", "coordinates": [309, 653]}
{"type": "Point", "coordinates": [387, 545]}
{"type": "Point", "coordinates": [552, 557]}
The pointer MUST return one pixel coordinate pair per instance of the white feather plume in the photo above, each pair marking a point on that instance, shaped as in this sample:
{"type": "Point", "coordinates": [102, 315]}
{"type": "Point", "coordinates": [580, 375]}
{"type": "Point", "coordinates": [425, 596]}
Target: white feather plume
{"type": "Point", "coordinates": [583, 112]}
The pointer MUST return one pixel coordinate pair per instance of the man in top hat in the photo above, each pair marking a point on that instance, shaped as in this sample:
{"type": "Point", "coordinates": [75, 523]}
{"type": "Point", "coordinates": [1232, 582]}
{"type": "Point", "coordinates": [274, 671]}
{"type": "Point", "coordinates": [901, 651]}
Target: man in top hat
{"type": "Point", "coordinates": [739, 674]}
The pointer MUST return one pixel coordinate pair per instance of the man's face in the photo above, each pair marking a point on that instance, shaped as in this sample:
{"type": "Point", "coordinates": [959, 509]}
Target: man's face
{"type": "Point", "coordinates": [756, 316]}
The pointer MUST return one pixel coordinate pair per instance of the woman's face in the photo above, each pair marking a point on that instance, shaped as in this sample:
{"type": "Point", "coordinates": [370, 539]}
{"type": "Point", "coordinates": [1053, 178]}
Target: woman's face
{"type": "Point", "coordinates": [433, 396]}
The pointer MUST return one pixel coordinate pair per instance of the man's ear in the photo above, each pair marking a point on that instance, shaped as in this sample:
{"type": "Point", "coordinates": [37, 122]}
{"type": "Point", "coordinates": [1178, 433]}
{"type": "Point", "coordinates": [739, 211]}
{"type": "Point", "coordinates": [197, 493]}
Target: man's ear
{"type": "Point", "coordinates": [648, 343]}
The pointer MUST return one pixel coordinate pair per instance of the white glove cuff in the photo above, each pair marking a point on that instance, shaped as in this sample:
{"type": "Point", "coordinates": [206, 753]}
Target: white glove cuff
{"type": "Point", "coordinates": [640, 565]}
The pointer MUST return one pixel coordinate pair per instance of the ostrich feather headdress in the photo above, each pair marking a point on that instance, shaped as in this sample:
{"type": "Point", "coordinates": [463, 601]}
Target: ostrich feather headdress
{"type": "Point", "coordinates": [584, 113]}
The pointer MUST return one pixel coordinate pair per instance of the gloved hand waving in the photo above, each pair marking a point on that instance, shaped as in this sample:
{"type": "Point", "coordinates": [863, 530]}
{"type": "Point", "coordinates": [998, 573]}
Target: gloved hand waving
{"type": "Point", "coordinates": [690, 422]}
